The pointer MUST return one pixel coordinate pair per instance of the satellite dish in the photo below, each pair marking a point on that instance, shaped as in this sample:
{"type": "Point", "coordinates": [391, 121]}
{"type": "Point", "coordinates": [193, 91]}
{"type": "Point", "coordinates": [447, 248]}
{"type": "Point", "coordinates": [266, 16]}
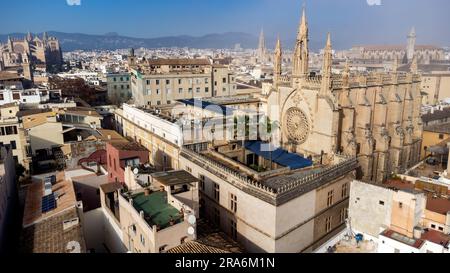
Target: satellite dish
{"type": "Point", "coordinates": [191, 231]}
{"type": "Point", "coordinates": [136, 171]}
{"type": "Point", "coordinates": [192, 220]}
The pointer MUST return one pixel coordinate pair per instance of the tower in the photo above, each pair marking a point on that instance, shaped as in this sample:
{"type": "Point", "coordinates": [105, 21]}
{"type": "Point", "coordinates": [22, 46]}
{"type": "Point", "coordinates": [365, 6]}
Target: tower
{"type": "Point", "coordinates": [414, 67]}
{"type": "Point", "coordinates": [262, 47]}
{"type": "Point", "coordinates": [29, 37]}
{"type": "Point", "coordinates": [278, 60]}
{"type": "Point", "coordinates": [301, 53]}
{"type": "Point", "coordinates": [131, 58]}
{"type": "Point", "coordinates": [10, 45]}
{"type": "Point", "coordinates": [27, 70]}
{"type": "Point", "coordinates": [45, 37]}
{"type": "Point", "coordinates": [410, 49]}
{"type": "Point", "coordinates": [326, 66]}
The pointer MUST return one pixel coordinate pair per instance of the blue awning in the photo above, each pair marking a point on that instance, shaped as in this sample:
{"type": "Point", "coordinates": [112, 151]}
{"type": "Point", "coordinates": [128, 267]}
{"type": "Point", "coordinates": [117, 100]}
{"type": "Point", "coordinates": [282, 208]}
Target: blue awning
{"type": "Point", "coordinates": [279, 156]}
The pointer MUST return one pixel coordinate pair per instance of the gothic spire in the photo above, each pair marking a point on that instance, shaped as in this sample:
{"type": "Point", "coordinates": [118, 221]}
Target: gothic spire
{"type": "Point", "coordinates": [326, 67]}
{"type": "Point", "coordinates": [301, 52]}
{"type": "Point", "coordinates": [278, 60]}
{"type": "Point", "coordinates": [262, 47]}
{"type": "Point", "coordinates": [29, 37]}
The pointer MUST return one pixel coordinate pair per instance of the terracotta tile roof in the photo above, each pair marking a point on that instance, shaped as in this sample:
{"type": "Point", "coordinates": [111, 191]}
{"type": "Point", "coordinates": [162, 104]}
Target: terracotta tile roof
{"type": "Point", "coordinates": [33, 203]}
{"type": "Point", "coordinates": [194, 247]}
{"type": "Point", "coordinates": [128, 146]}
{"type": "Point", "coordinates": [178, 62]}
{"type": "Point", "coordinates": [399, 184]}
{"type": "Point", "coordinates": [56, 230]}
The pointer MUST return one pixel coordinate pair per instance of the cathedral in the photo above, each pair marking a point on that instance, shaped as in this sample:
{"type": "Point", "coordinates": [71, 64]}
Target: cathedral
{"type": "Point", "coordinates": [374, 117]}
{"type": "Point", "coordinates": [42, 54]}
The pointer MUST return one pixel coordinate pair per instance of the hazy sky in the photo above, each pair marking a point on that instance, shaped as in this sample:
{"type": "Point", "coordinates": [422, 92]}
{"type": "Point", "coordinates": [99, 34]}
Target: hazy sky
{"type": "Point", "coordinates": [350, 21]}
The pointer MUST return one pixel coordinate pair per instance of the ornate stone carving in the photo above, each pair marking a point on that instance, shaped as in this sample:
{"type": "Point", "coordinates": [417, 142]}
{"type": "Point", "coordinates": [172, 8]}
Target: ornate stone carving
{"type": "Point", "coordinates": [297, 126]}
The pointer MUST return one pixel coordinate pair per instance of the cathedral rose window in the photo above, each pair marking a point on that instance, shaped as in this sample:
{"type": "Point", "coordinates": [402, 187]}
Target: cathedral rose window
{"type": "Point", "coordinates": [297, 125]}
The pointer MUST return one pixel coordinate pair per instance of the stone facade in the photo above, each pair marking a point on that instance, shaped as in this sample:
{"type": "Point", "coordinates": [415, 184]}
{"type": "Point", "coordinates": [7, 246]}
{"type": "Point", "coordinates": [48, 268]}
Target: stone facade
{"type": "Point", "coordinates": [44, 53]}
{"type": "Point", "coordinates": [375, 117]}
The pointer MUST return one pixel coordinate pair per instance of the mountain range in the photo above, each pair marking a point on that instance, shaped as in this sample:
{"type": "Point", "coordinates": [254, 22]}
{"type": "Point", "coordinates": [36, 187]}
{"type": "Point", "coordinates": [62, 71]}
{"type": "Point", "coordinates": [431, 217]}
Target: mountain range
{"type": "Point", "coordinates": [112, 41]}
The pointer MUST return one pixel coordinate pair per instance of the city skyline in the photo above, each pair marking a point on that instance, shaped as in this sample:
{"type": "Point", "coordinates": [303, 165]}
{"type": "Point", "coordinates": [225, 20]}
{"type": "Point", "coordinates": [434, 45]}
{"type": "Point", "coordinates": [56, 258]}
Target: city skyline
{"type": "Point", "coordinates": [350, 22]}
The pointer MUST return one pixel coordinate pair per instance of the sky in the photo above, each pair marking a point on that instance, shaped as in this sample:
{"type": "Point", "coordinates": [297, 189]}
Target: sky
{"type": "Point", "coordinates": [349, 21]}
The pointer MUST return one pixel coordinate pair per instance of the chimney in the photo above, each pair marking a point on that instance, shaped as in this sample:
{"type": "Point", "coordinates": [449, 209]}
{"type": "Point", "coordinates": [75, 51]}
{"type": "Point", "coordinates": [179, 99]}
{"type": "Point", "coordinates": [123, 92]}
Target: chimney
{"type": "Point", "coordinates": [418, 231]}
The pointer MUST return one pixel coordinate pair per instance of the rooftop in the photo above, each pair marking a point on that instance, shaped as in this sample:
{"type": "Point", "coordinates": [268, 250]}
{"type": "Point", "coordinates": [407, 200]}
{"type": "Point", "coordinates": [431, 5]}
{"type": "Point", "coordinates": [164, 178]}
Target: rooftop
{"type": "Point", "coordinates": [436, 237]}
{"type": "Point", "coordinates": [415, 243]}
{"type": "Point", "coordinates": [438, 205]}
{"type": "Point", "coordinates": [156, 209]}
{"type": "Point", "coordinates": [63, 190]}
{"type": "Point", "coordinates": [443, 128]}
{"type": "Point", "coordinates": [128, 146]}
{"type": "Point", "coordinates": [173, 178]}
{"type": "Point", "coordinates": [178, 62]}
{"type": "Point", "coordinates": [437, 115]}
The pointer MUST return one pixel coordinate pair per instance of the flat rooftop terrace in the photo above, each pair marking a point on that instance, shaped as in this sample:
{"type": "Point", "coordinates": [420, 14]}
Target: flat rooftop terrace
{"type": "Point", "coordinates": [156, 209]}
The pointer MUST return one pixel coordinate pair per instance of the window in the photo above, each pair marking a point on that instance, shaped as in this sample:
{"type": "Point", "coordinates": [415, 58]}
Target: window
{"type": "Point", "coordinates": [344, 215]}
{"type": "Point", "coordinates": [441, 136]}
{"type": "Point", "coordinates": [167, 81]}
{"type": "Point", "coordinates": [217, 216]}
{"type": "Point", "coordinates": [142, 240]}
{"type": "Point", "coordinates": [328, 224]}
{"type": "Point", "coordinates": [224, 80]}
{"type": "Point", "coordinates": [189, 169]}
{"type": "Point", "coordinates": [198, 90]}
{"type": "Point", "coordinates": [13, 145]}
{"type": "Point", "coordinates": [216, 192]}
{"type": "Point", "coordinates": [330, 198]}
{"type": "Point", "coordinates": [2, 97]}
{"type": "Point", "coordinates": [202, 182]}
{"type": "Point", "coordinates": [206, 80]}
{"type": "Point", "coordinates": [158, 103]}
{"type": "Point", "coordinates": [233, 229]}
{"type": "Point", "coordinates": [233, 203]}
{"type": "Point", "coordinates": [400, 205]}
{"type": "Point", "coordinates": [433, 226]}
{"type": "Point", "coordinates": [206, 89]}
{"type": "Point", "coordinates": [441, 229]}
{"type": "Point", "coordinates": [381, 203]}
{"type": "Point", "coordinates": [344, 193]}
{"type": "Point", "coordinates": [190, 90]}
{"type": "Point", "coordinates": [157, 91]}
{"type": "Point", "coordinates": [180, 90]}
{"type": "Point", "coordinates": [157, 82]}
{"type": "Point", "coordinates": [179, 81]}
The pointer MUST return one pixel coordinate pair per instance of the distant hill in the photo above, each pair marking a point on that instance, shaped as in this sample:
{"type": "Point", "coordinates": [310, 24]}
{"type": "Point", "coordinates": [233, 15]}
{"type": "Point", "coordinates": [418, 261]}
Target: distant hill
{"type": "Point", "coordinates": [111, 41]}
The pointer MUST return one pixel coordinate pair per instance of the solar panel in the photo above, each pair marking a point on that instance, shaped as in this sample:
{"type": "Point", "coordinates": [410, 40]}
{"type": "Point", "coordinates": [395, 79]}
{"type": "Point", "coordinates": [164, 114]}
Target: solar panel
{"type": "Point", "coordinates": [48, 203]}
